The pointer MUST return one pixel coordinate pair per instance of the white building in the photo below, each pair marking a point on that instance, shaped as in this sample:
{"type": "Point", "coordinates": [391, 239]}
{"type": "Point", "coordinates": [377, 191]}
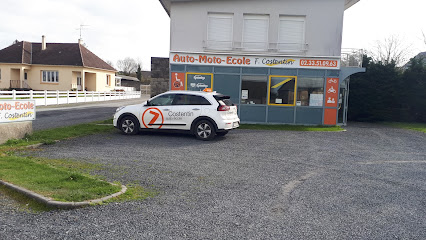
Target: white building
{"type": "Point", "coordinates": [279, 60]}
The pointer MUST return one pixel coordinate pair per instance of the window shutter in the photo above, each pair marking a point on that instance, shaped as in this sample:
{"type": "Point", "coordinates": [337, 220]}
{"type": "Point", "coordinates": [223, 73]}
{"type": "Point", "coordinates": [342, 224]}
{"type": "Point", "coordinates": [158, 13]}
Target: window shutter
{"type": "Point", "coordinates": [292, 33]}
{"type": "Point", "coordinates": [255, 33]}
{"type": "Point", "coordinates": [219, 33]}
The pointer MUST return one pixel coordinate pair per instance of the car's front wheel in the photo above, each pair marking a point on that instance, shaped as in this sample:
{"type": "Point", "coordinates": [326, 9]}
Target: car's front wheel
{"type": "Point", "coordinates": [129, 125]}
{"type": "Point", "coordinates": [204, 130]}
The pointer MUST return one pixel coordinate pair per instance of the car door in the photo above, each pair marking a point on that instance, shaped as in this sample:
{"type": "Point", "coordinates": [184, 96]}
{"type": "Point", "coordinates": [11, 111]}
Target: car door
{"type": "Point", "coordinates": [154, 114]}
{"type": "Point", "coordinates": [186, 108]}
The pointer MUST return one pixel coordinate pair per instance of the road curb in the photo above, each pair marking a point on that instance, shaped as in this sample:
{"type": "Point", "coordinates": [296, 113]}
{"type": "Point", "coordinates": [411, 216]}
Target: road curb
{"type": "Point", "coordinates": [57, 204]}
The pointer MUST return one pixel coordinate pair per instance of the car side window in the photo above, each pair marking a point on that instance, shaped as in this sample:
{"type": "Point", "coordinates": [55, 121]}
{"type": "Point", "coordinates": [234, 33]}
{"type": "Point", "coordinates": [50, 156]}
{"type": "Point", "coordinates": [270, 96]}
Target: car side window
{"type": "Point", "coordinates": [198, 100]}
{"type": "Point", "coordinates": [163, 100]}
{"type": "Point", "coordinates": [181, 99]}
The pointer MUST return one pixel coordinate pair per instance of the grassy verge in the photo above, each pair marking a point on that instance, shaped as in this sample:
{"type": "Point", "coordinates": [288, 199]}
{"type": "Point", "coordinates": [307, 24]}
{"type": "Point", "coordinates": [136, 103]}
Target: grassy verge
{"type": "Point", "coordinates": [291, 128]}
{"type": "Point", "coordinates": [421, 127]}
{"type": "Point", "coordinates": [60, 179]}
{"type": "Point", "coordinates": [51, 182]}
{"type": "Point", "coordinates": [51, 135]}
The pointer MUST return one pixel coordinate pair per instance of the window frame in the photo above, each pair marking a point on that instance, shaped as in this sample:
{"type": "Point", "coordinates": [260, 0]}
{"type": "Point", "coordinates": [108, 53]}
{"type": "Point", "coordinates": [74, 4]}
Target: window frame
{"type": "Point", "coordinates": [49, 77]}
{"type": "Point", "coordinates": [294, 19]}
{"type": "Point", "coordinates": [253, 17]}
{"type": "Point", "coordinates": [223, 16]}
{"type": "Point", "coordinates": [294, 92]}
{"type": "Point", "coordinates": [265, 81]}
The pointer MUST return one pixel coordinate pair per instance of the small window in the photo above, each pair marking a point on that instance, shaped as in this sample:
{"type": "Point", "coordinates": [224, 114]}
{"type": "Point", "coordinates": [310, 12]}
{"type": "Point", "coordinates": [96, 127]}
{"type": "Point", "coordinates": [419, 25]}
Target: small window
{"type": "Point", "coordinates": [163, 100]}
{"type": "Point", "coordinates": [0, 74]}
{"type": "Point", "coordinates": [282, 90]}
{"type": "Point", "coordinates": [26, 76]}
{"type": "Point", "coordinates": [219, 31]}
{"type": "Point", "coordinates": [292, 33]}
{"type": "Point", "coordinates": [254, 89]}
{"type": "Point", "coordinates": [108, 80]}
{"type": "Point", "coordinates": [50, 76]}
{"type": "Point", "coordinates": [255, 32]}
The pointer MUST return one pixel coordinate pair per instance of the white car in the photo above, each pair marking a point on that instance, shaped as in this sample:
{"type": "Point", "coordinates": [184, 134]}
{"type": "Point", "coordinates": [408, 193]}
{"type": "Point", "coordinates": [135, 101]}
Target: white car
{"type": "Point", "coordinates": [204, 114]}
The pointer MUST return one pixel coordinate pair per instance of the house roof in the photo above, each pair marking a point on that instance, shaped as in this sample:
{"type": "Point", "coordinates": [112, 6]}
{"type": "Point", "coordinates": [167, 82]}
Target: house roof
{"type": "Point", "coordinates": [166, 3]}
{"type": "Point", "coordinates": [123, 77]}
{"type": "Point", "coordinates": [64, 54]}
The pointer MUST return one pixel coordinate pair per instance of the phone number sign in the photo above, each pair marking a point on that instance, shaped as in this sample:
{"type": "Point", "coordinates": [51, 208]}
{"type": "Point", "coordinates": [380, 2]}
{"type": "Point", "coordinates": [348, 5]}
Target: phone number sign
{"type": "Point", "coordinates": [17, 111]}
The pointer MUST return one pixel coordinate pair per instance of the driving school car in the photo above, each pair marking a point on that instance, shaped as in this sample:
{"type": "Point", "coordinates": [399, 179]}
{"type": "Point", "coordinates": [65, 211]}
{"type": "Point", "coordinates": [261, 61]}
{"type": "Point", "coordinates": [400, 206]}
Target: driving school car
{"type": "Point", "coordinates": [204, 114]}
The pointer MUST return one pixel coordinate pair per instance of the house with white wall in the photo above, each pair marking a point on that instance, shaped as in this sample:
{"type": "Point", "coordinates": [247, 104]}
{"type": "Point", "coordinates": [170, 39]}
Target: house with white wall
{"type": "Point", "coordinates": [279, 60]}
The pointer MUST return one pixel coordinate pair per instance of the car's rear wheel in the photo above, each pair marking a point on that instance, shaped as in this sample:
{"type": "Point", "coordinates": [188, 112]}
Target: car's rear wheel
{"type": "Point", "coordinates": [129, 125]}
{"type": "Point", "coordinates": [204, 130]}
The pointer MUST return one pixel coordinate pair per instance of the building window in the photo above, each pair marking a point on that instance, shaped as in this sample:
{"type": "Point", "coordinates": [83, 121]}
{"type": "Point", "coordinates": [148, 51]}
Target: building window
{"type": "Point", "coordinates": [282, 90]}
{"type": "Point", "coordinates": [0, 74]}
{"type": "Point", "coordinates": [310, 91]}
{"type": "Point", "coordinates": [118, 82]}
{"type": "Point", "coordinates": [255, 32]}
{"type": "Point", "coordinates": [220, 31]}
{"type": "Point", "coordinates": [291, 34]}
{"type": "Point", "coordinates": [254, 89]}
{"type": "Point", "coordinates": [26, 76]}
{"type": "Point", "coordinates": [108, 80]}
{"type": "Point", "coordinates": [50, 76]}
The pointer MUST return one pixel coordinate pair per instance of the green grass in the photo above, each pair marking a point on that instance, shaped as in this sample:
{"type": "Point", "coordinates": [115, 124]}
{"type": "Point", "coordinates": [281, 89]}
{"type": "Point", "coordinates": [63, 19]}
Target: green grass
{"type": "Point", "coordinates": [291, 128]}
{"type": "Point", "coordinates": [51, 135]}
{"type": "Point", "coordinates": [60, 179]}
{"type": "Point", "coordinates": [52, 182]}
{"type": "Point", "coordinates": [421, 127]}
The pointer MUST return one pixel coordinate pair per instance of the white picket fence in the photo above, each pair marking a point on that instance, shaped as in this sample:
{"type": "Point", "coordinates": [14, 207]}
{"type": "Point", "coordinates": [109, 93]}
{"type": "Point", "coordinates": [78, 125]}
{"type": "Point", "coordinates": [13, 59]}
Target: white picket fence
{"type": "Point", "coordinates": [44, 98]}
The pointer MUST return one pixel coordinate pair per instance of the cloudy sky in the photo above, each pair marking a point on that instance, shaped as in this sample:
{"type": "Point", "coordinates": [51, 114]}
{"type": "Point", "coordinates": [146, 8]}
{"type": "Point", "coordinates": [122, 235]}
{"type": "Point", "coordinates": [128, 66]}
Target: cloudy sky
{"type": "Point", "coordinates": [140, 28]}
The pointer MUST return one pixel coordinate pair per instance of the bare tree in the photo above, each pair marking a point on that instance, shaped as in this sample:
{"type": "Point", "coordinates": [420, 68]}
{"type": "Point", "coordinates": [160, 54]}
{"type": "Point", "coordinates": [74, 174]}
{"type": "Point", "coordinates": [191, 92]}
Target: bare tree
{"type": "Point", "coordinates": [109, 63]}
{"type": "Point", "coordinates": [391, 49]}
{"type": "Point", "coordinates": [424, 37]}
{"type": "Point", "coordinates": [127, 65]}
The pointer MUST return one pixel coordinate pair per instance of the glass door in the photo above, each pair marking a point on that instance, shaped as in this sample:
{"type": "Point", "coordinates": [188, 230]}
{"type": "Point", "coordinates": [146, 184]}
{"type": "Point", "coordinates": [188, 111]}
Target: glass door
{"type": "Point", "coordinates": [343, 102]}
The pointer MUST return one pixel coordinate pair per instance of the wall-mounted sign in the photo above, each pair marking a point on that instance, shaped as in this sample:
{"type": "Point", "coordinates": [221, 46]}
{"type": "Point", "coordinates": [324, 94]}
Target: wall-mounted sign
{"type": "Point", "coordinates": [17, 111]}
{"type": "Point", "coordinates": [254, 61]}
{"type": "Point", "coordinates": [199, 81]}
{"type": "Point", "coordinates": [331, 94]}
{"type": "Point", "coordinates": [178, 81]}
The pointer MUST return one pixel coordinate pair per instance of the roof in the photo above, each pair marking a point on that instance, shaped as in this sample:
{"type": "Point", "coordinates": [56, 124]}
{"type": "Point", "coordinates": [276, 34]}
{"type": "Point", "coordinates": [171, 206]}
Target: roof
{"type": "Point", "coordinates": [167, 3]}
{"type": "Point", "coordinates": [59, 54]}
{"type": "Point", "coordinates": [420, 56]}
{"type": "Point", "coordinates": [123, 77]}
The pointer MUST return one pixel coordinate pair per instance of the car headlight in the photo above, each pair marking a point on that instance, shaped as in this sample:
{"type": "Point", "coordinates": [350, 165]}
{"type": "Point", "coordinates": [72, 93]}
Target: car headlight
{"type": "Point", "coordinates": [118, 109]}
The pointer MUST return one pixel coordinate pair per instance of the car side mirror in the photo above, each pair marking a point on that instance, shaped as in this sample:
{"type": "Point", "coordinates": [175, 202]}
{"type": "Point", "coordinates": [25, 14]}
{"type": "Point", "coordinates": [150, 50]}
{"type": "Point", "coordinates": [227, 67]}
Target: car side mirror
{"type": "Point", "coordinates": [148, 103]}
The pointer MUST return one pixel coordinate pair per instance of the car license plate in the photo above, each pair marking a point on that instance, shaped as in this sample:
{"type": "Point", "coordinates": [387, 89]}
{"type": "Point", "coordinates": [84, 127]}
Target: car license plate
{"type": "Point", "coordinates": [235, 124]}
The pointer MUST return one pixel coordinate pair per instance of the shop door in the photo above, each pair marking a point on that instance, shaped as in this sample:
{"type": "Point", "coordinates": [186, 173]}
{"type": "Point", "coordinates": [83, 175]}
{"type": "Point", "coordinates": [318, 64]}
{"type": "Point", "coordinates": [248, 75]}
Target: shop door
{"type": "Point", "coordinates": [343, 102]}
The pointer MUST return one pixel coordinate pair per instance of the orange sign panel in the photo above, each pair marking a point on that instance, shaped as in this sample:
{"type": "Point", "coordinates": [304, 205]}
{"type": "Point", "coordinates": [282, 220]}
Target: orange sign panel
{"type": "Point", "coordinates": [178, 81]}
{"type": "Point", "coordinates": [331, 93]}
{"type": "Point", "coordinates": [318, 63]}
{"type": "Point", "coordinates": [330, 116]}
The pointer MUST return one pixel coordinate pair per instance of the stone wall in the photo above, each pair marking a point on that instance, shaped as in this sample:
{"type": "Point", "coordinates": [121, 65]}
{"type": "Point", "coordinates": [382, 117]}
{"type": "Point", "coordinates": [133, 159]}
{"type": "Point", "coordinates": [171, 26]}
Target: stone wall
{"type": "Point", "coordinates": [15, 130]}
{"type": "Point", "coordinates": [159, 75]}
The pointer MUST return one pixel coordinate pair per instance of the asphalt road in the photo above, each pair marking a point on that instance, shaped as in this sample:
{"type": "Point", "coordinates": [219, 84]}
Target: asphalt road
{"type": "Point", "coordinates": [366, 183]}
{"type": "Point", "coordinates": [63, 115]}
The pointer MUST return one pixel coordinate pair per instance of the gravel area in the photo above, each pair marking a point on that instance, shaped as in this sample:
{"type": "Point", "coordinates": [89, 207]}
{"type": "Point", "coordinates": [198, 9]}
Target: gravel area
{"type": "Point", "coordinates": [365, 183]}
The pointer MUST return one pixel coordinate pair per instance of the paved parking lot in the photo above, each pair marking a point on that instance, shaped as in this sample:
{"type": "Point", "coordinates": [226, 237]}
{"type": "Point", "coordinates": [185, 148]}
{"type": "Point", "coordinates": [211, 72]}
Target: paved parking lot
{"type": "Point", "coordinates": [366, 183]}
